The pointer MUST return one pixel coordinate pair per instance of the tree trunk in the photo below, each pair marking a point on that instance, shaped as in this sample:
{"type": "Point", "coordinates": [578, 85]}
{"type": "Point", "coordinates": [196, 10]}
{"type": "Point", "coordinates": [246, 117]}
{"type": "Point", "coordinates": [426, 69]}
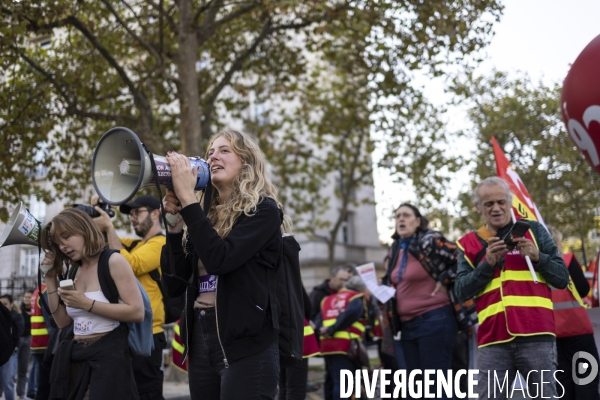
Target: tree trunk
{"type": "Point", "coordinates": [334, 232]}
{"type": "Point", "coordinates": [143, 128]}
{"type": "Point", "coordinates": [331, 249]}
{"type": "Point", "coordinates": [187, 56]}
{"type": "Point", "coordinates": [207, 118]}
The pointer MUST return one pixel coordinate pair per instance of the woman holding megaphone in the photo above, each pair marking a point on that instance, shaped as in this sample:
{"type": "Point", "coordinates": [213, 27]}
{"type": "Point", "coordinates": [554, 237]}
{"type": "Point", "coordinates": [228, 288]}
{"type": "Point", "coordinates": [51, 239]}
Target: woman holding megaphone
{"type": "Point", "coordinates": [222, 259]}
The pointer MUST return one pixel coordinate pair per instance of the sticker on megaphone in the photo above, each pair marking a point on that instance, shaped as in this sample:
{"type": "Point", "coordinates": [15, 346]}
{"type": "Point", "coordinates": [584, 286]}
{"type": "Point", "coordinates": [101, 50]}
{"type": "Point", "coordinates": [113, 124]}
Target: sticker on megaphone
{"type": "Point", "coordinates": [22, 228]}
{"type": "Point", "coordinates": [129, 167]}
{"type": "Point", "coordinates": [121, 167]}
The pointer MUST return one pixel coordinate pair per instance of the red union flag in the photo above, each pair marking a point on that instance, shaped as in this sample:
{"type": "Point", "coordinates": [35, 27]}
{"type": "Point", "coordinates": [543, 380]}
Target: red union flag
{"type": "Point", "coordinates": [522, 204]}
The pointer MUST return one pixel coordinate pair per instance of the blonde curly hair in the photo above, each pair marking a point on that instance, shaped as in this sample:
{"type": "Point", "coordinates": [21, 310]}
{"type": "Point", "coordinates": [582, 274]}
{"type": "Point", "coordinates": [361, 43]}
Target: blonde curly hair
{"type": "Point", "coordinates": [250, 185]}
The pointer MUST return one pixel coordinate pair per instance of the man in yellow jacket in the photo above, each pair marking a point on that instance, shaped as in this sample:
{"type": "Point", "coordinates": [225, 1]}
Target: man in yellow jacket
{"type": "Point", "coordinates": [144, 257]}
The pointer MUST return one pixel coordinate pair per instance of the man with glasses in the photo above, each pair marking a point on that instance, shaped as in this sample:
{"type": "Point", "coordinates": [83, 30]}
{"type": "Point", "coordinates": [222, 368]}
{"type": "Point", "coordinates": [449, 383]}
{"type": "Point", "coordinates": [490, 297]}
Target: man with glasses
{"type": "Point", "coordinates": [144, 257]}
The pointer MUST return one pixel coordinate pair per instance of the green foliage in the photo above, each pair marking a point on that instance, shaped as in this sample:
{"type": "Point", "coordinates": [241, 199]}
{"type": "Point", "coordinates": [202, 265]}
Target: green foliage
{"type": "Point", "coordinates": [525, 118]}
{"type": "Point", "coordinates": [176, 71]}
{"type": "Point", "coordinates": [358, 109]}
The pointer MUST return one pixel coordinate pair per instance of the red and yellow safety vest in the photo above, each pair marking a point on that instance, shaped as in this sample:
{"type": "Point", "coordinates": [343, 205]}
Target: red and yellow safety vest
{"type": "Point", "coordinates": [177, 348]}
{"type": "Point", "coordinates": [511, 304]}
{"type": "Point", "coordinates": [570, 316]}
{"type": "Point", "coordinates": [39, 332]}
{"type": "Point", "coordinates": [311, 347]}
{"type": "Point", "coordinates": [331, 307]}
{"type": "Point", "coordinates": [377, 328]}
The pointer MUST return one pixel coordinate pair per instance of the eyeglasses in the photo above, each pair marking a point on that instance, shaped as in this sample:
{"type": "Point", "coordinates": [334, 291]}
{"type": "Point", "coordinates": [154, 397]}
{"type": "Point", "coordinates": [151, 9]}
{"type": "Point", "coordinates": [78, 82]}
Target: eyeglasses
{"type": "Point", "coordinates": [136, 213]}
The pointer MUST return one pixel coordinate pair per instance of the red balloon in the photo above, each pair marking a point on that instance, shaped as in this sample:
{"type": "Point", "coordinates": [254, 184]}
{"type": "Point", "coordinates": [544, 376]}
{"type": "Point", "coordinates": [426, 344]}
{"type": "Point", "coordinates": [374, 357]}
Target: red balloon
{"type": "Point", "coordinates": [580, 103]}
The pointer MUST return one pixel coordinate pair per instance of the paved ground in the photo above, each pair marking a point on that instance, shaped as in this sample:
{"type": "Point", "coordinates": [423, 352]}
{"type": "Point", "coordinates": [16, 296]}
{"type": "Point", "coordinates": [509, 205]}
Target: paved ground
{"type": "Point", "coordinates": [180, 391]}
{"type": "Point", "coordinates": [174, 390]}
{"type": "Point", "coordinates": [176, 385]}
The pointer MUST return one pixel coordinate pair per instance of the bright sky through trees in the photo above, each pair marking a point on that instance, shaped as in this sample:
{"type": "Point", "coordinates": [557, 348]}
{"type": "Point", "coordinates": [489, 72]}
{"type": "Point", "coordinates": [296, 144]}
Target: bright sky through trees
{"type": "Point", "coordinates": [539, 37]}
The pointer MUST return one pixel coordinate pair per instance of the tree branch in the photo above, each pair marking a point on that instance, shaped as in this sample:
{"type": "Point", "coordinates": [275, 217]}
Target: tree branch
{"type": "Point", "coordinates": [238, 63]}
{"type": "Point", "coordinates": [307, 22]}
{"type": "Point", "coordinates": [202, 9]}
{"type": "Point", "coordinates": [358, 150]}
{"type": "Point", "coordinates": [60, 87]}
{"type": "Point", "coordinates": [165, 14]}
{"type": "Point", "coordinates": [138, 96]}
{"type": "Point", "coordinates": [160, 62]}
{"type": "Point", "coordinates": [206, 30]}
{"type": "Point", "coordinates": [20, 112]}
{"type": "Point", "coordinates": [160, 27]}
{"type": "Point", "coordinates": [235, 14]}
{"type": "Point", "coordinates": [137, 17]}
{"type": "Point", "coordinates": [141, 41]}
{"type": "Point", "coordinates": [63, 91]}
{"type": "Point", "coordinates": [365, 173]}
{"type": "Point", "coordinates": [296, 26]}
{"type": "Point", "coordinates": [33, 25]}
{"type": "Point", "coordinates": [102, 116]}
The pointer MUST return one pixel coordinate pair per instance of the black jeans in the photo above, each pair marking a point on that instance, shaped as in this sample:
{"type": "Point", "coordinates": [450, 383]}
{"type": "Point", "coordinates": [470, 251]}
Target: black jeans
{"type": "Point", "coordinates": [24, 353]}
{"type": "Point", "coordinates": [460, 357]}
{"type": "Point", "coordinates": [253, 377]}
{"type": "Point", "coordinates": [328, 383]}
{"type": "Point", "coordinates": [292, 382]}
{"type": "Point", "coordinates": [44, 367]}
{"type": "Point", "coordinates": [147, 373]}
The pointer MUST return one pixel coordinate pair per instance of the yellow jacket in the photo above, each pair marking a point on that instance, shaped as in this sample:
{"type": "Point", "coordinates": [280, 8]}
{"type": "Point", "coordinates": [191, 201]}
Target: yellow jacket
{"type": "Point", "coordinates": [144, 258]}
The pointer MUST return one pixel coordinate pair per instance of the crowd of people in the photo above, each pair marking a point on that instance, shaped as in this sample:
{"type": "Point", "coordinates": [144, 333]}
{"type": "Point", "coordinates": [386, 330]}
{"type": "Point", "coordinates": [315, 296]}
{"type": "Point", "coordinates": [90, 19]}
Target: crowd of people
{"type": "Point", "coordinates": [220, 254]}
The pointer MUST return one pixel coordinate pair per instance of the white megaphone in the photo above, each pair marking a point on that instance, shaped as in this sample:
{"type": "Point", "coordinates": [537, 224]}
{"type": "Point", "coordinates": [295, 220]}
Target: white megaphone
{"type": "Point", "coordinates": [121, 166]}
{"type": "Point", "coordinates": [22, 228]}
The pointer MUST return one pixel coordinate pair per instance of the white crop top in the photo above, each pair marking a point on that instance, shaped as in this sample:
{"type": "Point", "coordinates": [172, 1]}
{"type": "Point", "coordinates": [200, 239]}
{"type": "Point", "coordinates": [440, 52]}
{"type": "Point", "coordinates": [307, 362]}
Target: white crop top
{"type": "Point", "coordinates": [87, 323]}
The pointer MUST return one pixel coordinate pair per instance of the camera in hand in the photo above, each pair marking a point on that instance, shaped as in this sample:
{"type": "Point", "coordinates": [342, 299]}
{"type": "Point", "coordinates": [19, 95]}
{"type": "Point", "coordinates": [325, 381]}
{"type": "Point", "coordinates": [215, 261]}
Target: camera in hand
{"type": "Point", "coordinates": [91, 211]}
{"type": "Point", "coordinates": [518, 229]}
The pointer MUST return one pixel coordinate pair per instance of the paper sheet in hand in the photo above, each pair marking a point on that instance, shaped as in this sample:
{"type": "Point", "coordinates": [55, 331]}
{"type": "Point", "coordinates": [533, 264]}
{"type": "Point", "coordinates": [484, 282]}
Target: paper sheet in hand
{"type": "Point", "coordinates": [368, 275]}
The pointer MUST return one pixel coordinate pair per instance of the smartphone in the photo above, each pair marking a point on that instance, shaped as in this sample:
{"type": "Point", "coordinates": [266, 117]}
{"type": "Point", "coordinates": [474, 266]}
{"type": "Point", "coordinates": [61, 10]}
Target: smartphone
{"type": "Point", "coordinates": [67, 284]}
{"type": "Point", "coordinates": [518, 230]}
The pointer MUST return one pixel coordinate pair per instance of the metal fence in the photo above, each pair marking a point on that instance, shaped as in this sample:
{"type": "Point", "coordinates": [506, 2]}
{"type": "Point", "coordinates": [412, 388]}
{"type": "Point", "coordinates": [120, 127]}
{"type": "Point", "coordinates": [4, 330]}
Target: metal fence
{"type": "Point", "coordinates": [16, 286]}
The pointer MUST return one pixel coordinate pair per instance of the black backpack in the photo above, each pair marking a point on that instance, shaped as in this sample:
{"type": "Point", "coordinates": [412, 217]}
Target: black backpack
{"type": "Point", "coordinates": [173, 305]}
{"type": "Point", "coordinates": [287, 303]}
{"type": "Point", "coordinates": [9, 334]}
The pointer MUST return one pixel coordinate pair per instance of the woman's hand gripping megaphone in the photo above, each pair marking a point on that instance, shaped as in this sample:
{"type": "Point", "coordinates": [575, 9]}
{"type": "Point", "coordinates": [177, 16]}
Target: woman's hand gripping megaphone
{"type": "Point", "coordinates": [171, 203]}
{"type": "Point", "coordinates": [184, 179]}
